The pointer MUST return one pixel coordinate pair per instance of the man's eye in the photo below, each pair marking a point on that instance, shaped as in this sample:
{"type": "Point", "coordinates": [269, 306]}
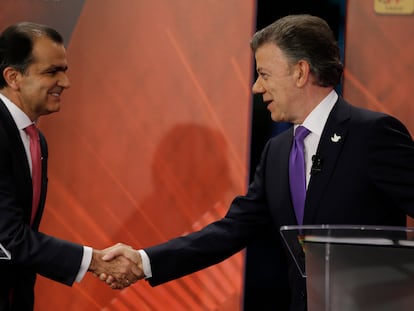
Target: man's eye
{"type": "Point", "coordinates": [56, 70]}
{"type": "Point", "coordinates": [51, 72]}
{"type": "Point", "coordinates": [264, 75]}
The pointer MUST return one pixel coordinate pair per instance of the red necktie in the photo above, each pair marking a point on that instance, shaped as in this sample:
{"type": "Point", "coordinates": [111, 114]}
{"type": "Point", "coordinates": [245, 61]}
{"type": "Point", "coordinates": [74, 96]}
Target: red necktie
{"type": "Point", "coordinates": [36, 167]}
{"type": "Point", "coordinates": [297, 173]}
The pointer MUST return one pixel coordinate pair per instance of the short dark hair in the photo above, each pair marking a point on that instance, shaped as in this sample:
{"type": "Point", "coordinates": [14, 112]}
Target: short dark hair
{"type": "Point", "coordinates": [305, 37]}
{"type": "Point", "coordinates": [16, 45]}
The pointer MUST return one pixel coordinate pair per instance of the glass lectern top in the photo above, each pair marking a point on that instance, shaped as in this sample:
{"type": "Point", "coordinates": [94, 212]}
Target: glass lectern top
{"type": "Point", "coordinates": [297, 237]}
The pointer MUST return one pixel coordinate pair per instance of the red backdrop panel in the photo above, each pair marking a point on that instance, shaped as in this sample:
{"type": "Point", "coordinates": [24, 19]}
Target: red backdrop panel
{"type": "Point", "coordinates": [379, 61]}
{"type": "Point", "coordinates": [151, 141]}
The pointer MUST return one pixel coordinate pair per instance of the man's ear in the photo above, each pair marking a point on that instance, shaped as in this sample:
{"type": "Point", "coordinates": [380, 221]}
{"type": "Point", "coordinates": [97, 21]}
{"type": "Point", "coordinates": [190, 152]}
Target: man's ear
{"type": "Point", "coordinates": [11, 75]}
{"type": "Point", "coordinates": [302, 72]}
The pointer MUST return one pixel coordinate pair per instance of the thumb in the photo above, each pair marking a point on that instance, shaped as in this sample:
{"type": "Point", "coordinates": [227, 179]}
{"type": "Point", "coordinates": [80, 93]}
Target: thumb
{"type": "Point", "coordinates": [112, 254]}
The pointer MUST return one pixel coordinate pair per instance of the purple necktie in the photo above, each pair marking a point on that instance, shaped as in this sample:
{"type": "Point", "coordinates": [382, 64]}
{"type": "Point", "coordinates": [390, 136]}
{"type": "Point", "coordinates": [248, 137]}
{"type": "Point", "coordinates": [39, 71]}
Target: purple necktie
{"type": "Point", "coordinates": [297, 178]}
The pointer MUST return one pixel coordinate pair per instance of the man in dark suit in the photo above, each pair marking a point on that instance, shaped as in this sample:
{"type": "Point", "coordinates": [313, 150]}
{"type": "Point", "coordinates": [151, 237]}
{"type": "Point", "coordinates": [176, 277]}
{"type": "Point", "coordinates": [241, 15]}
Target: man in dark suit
{"type": "Point", "coordinates": [362, 170]}
{"type": "Point", "coordinates": [33, 76]}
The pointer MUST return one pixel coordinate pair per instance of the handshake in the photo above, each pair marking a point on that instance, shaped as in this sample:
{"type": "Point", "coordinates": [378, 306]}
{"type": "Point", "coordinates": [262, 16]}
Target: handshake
{"type": "Point", "coordinates": [119, 265]}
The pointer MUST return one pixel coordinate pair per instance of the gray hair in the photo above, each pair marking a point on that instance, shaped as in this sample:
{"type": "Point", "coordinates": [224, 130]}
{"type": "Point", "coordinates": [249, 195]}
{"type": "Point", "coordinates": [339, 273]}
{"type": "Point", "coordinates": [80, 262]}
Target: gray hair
{"type": "Point", "coordinates": [305, 37]}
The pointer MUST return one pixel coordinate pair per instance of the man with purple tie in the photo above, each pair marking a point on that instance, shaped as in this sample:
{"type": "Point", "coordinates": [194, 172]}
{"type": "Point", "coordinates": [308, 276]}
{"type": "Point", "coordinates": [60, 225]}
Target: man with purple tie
{"type": "Point", "coordinates": [358, 164]}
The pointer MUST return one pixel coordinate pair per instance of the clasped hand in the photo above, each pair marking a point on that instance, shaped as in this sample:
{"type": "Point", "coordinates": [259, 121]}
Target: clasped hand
{"type": "Point", "coordinates": [119, 265]}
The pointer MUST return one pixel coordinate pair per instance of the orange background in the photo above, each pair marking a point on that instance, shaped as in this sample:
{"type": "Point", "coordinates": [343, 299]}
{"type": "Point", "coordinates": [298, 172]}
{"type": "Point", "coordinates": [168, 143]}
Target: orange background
{"type": "Point", "coordinates": [379, 61]}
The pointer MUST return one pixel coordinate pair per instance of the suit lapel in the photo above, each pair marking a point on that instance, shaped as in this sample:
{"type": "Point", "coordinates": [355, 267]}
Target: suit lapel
{"type": "Point", "coordinates": [20, 163]}
{"type": "Point", "coordinates": [330, 145]}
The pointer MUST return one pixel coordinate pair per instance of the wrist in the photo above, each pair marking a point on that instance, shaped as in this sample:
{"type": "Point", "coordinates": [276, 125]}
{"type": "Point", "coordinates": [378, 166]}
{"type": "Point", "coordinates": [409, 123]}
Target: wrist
{"type": "Point", "coordinates": [96, 255]}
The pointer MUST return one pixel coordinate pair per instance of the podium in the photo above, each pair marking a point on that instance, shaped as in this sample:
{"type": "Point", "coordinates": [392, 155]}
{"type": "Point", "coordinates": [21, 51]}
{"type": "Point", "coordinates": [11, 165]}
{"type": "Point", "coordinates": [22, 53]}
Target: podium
{"type": "Point", "coordinates": [354, 268]}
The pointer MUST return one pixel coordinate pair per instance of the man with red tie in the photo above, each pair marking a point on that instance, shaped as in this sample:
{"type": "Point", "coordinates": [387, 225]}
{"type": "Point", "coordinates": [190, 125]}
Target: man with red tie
{"type": "Point", "coordinates": [33, 76]}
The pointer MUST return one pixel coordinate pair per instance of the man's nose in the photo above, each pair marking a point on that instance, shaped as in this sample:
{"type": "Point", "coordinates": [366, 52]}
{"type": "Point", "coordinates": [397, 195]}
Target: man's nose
{"type": "Point", "coordinates": [64, 80]}
{"type": "Point", "coordinates": [257, 88]}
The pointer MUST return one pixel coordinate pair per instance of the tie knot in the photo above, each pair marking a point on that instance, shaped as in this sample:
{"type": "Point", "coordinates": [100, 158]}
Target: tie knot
{"type": "Point", "coordinates": [31, 130]}
{"type": "Point", "coordinates": [301, 132]}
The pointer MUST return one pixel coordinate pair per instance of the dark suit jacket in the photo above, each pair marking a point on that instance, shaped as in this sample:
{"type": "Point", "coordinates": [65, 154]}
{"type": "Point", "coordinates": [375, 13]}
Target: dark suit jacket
{"type": "Point", "coordinates": [367, 177]}
{"type": "Point", "coordinates": [32, 251]}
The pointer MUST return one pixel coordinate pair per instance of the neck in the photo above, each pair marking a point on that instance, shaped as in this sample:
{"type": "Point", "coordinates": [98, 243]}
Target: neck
{"type": "Point", "coordinates": [312, 98]}
{"type": "Point", "coordinates": [15, 100]}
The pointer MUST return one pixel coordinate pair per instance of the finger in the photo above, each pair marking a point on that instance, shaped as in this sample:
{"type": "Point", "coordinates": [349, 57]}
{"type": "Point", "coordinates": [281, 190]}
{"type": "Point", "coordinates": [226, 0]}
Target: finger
{"type": "Point", "coordinates": [102, 276]}
{"type": "Point", "coordinates": [114, 246]}
{"type": "Point", "coordinates": [116, 286]}
{"type": "Point", "coordinates": [110, 279]}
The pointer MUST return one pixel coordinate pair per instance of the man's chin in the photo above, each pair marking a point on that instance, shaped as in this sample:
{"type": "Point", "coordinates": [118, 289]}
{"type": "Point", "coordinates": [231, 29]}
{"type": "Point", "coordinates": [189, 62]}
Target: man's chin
{"type": "Point", "coordinates": [51, 110]}
{"type": "Point", "coordinates": [276, 117]}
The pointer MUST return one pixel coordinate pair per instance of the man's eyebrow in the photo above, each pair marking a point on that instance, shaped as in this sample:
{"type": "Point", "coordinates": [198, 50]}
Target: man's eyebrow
{"type": "Point", "coordinates": [56, 68]}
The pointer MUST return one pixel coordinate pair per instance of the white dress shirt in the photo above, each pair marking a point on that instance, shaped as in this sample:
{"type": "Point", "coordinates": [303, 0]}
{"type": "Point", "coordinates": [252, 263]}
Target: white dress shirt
{"type": "Point", "coordinates": [315, 122]}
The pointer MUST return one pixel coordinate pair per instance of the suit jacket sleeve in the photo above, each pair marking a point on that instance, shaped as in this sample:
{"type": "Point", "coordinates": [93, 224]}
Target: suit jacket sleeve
{"type": "Point", "coordinates": [391, 162]}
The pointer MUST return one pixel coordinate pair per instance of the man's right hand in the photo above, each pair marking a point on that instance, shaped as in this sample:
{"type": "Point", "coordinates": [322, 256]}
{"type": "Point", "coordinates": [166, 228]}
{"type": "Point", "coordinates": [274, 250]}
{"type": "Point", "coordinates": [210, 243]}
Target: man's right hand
{"type": "Point", "coordinates": [119, 265]}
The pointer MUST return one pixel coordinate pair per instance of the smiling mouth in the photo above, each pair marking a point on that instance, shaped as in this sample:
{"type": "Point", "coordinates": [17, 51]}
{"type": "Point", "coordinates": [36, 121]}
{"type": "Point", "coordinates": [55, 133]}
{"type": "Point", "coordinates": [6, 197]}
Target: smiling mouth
{"type": "Point", "coordinates": [267, 102]}
{"type": "Point", "coordinates": [55, 93]}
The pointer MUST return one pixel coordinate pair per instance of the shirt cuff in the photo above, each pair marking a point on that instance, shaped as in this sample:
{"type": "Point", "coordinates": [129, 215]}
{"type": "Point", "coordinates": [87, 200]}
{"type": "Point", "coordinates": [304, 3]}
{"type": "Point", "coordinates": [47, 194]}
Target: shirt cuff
{"type": "Point", "coordinates": [86, 261]}
{"type": "Point", "coordinates": [146, 264]}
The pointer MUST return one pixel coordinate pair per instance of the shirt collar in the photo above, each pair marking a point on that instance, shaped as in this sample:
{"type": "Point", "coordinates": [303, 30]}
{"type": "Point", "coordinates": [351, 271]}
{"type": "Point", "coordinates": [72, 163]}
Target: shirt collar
{"type": "Point", "coordinates": [315, 121]}
{"type": "Point", "coordinates": [20, 118]}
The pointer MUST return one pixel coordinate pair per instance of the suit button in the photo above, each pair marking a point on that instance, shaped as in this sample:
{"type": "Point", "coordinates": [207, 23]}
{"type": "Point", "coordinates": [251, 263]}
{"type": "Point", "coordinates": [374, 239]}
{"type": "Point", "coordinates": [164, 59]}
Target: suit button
{"type": "Point", "coordinates": [302, 295]}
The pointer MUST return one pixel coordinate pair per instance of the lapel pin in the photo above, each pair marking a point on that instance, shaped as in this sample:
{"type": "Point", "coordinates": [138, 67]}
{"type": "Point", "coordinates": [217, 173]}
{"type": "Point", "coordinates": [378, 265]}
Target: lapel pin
{"type": "Point", "coordinates": [335, 138]}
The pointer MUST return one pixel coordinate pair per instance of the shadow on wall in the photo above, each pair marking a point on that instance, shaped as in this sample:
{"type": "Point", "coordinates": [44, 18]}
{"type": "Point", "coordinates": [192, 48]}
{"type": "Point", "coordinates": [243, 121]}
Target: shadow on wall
{"type": "Point", "coordinates": [191, 185]}
{"type": "Point", "coordinates": [190, 175]}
